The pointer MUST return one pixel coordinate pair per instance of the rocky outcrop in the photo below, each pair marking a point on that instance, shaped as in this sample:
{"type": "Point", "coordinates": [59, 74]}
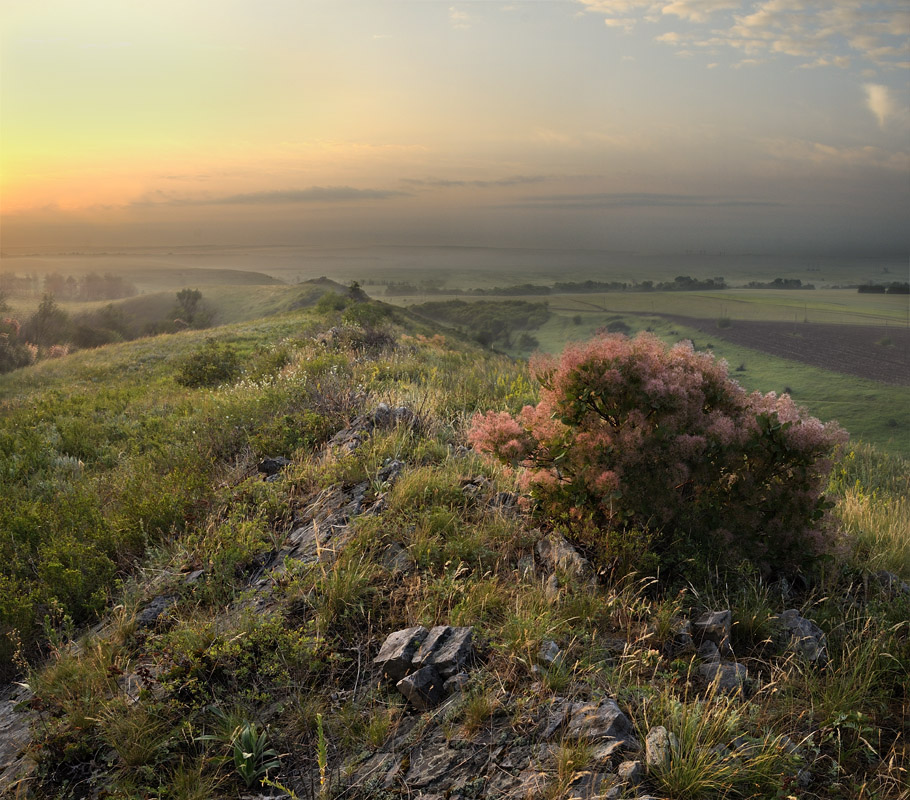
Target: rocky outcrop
{"type": "Point", "coordinates": [421, 662]}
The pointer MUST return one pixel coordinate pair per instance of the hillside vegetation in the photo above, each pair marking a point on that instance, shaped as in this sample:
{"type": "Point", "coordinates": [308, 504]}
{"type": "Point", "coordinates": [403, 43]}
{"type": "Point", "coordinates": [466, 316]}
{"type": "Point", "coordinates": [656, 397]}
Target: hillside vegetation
{"type": "Point", "coordinates": [243, 515]}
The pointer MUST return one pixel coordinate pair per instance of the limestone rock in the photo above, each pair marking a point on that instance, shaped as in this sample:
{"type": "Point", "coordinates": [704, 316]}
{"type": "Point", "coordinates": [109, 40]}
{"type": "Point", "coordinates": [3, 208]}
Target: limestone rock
{"type": "Point", "coordinates": [730, 677]}
{"type": "Point", "coordinates": [445, 648]}
{"type": "Point", "coordinates": [397, 560]}
{"type": "Point", "coordinates": [272, 465]}
{"type": "Point", "coordinates": [714, 626]}
{"type": "Point", "coordinates": [659, 747]}
{"type": "Point", "coordinates": [423, 689]}
{"type": "Point", "coordinates": [557, 553]}
{"type": "Point", "coordinates": [398, 650]}
{"type": "Point", "coordinates": [631, 772]}
{"type": "Point", "coordinates": [593, 721]}
{"type": "Point", "coordinates": [805, 637]}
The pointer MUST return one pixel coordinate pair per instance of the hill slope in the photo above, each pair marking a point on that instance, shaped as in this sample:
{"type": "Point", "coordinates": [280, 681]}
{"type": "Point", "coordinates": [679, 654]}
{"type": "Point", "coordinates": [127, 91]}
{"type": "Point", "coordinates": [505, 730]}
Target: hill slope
{"type": "Point", "coordinates": [243, 602]}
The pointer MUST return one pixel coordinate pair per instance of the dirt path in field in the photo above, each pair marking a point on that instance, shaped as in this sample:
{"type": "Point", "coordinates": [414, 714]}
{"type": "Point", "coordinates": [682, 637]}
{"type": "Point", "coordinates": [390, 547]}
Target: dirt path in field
{"type": "Point", "coordinates": [874, 352]}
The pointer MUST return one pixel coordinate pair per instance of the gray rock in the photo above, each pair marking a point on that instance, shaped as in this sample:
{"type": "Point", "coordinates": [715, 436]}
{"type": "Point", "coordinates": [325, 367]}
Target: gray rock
{"type": "Point", "coordinates": [891, 583]}
{"type": "Point", "coordinates": [588, 785]}
{"type": "Point", "coordinates": [593, 721]}
{"type": "Point", "coordinates": [423, 689]}
{"type": "Point", "coordinates": [557, 553]}
{"type": "Point", "coordinates": [730, 677]}
{"type": "Point", "coordinates": [551, 588]}
{"type": "Point", "coordinates": [714, 626]}
{"type": "Point", "coordinates": [659, 747]}
{"type": "Point", "coordinates": [554, 721]}
{"type": "Point", "coordinates": [429, 764]}
{"type": "Point", "coordinates": [527, 571]}
{"type": "Point", "coordinates": [805, 637]}
{"type": "Point", "coordinates": [398, 650]}
{"type": "Point", "coordinates": [708, 652]}
{"type": "Point", "coordinates": [150, 615]}
{"type": "Point", "coordinates": [390, 471]}
{"type": "Point", "coordinates": [272, 465]}
{"type": "Point", "coordinates": [549, 653]}
{"type": "Point", "coordinates": [397, 560]}
{"type": "Point", "coordinates": [631, 772]}
{"type": "Point", "coordinates": [456, 683]}
{"type": "Point", "coordinates": [446, 648]}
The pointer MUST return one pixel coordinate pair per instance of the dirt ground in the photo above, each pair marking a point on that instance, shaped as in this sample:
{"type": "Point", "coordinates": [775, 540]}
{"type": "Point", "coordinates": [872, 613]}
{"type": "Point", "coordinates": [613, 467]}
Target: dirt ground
{"type": "Point", "coordinates": [873, 352]}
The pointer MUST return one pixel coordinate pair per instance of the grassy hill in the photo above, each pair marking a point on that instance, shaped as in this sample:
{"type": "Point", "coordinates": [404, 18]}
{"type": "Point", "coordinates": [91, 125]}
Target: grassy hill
{"type": "Point", "coordinates": [236, 618]}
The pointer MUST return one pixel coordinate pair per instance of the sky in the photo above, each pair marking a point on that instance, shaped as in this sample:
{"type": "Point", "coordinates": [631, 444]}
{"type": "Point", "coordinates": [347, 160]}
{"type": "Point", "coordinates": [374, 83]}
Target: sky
{"type": "Point", "coordinates": [651, 125]}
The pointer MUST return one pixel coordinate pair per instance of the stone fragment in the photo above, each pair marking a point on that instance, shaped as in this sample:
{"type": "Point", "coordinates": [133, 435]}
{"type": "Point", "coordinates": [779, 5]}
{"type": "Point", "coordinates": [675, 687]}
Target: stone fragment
{"type": "Point", "coordinates": [587, 785]}
{"type": "Point", "coordinates": [456, 683]}
{"type": "Point", "coordinates": [272, 465]}
{"type": "Point", "coordinates": [152, 612]}
{"type": "Point", "coordinates": [549, 652]}
{"type": "Point", "coordinates": [601, 720]}
{"type": "Point", "coordinates": [708, 652]}
{"type": "Point", "coordinates": [526, 568]}
{"type": "Point", "coordinates": [551, 588]}
{"type": "Point", "coordinates": [446, 648]}
{"type": "Point", "coordinates": [891, 583]}
{"type": "Point", "coordinates": [557, 553]}
{"type": "Point", "coordinates": [659, 747]}
{"type": "Point", "coordinates": [714, 626]}
{"type": "Point", "coordinates": [390, 471]}
{"type": "Point", "coordinates": [805, 637]}
{"type": "Point", "coordinates": [554, 721]}
{"type": "Point", "coordinates": [398, 650]}
{"type": "Point", "coordinates": [631, 772]}
{"type": "Point", "coordinates": [423, 689]}
{"type": "Point", "coordinates": [397, 560]}
{"type": "Point", "coordinates": [429, 764]}
{"type": "Point", "coordinates": [730, 677]}
{"type": "Point", "coordinates": [681, 641]}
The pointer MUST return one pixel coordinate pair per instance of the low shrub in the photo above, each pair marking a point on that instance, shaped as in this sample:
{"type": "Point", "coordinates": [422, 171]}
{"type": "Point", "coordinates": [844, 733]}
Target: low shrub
{"type": "Point", "coordinates": [632, 434]}
{"type": "Point", "coordinates": [211, 364]}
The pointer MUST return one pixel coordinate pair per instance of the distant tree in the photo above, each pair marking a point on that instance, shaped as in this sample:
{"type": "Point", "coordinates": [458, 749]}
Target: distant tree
{"type": "Point", "coordinates": [49, 325]}
{"type": "Point", "coordinates": [356, 293]}
{"type": "Point", "coordinates": [188, 301]}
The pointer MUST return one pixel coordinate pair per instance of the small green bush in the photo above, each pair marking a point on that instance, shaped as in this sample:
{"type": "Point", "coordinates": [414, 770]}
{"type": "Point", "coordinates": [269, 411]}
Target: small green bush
{"type": "Point", "coordinates": [212, 364]}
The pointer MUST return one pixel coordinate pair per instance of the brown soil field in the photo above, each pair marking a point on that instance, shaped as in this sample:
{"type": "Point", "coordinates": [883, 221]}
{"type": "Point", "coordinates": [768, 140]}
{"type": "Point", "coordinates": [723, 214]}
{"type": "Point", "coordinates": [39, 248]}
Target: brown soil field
{"type": "Point", "coordinates": [873, 352]}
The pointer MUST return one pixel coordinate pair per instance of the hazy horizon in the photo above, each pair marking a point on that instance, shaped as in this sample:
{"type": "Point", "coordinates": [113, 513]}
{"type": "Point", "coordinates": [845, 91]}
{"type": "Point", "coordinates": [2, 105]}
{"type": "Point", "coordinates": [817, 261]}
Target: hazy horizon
{"type": "Point", "coordinates": [768, 126]}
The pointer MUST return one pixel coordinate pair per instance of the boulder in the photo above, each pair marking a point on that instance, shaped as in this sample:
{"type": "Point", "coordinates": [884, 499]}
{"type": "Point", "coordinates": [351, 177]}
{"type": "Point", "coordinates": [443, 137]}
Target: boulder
{"type": "Point", "coordinates": [149, 616]}
{"type": "Point", "coordinates": [397, 560]}
{"type": "Point", "coordinates": [398, 650]}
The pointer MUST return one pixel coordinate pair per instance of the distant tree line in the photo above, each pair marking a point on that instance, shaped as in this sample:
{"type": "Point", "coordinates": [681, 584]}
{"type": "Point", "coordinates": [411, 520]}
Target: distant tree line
{"type": "Point", "coordinates": [681, 283]}
{"type": "Point", "coordinates": [880, 288]}
{"type": "Point", "coordinates": [90, 286]}
{"type": "Point", "coordinates": [51, 332]}
{"type": "Point", "coordinates": [780, 283]}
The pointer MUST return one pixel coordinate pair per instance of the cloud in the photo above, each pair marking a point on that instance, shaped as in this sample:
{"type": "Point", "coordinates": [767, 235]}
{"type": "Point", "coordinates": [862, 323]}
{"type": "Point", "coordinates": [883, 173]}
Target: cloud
{"type": "Point", "coordinates": [460, 20]}
{"type": "Point", "coordinates": [443, 183]}
{"type": "Point", "coordinates": [314, 194]}
{"type": "Point", "coordinates": [818, 34]}
{"type": "Point", "coordinates": [638, 200]}
{"type": "Point", "coordinates": [879, 102]}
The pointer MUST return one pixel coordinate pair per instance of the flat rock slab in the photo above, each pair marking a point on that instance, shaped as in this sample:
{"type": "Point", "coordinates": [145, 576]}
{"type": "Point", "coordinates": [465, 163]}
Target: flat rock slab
{"type": "Point", "coordinates": [730, 677]}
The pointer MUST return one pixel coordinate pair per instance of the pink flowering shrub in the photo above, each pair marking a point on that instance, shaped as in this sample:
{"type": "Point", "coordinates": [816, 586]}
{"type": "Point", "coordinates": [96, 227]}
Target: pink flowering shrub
{"type": "Point", "coordinates": [632, 435]}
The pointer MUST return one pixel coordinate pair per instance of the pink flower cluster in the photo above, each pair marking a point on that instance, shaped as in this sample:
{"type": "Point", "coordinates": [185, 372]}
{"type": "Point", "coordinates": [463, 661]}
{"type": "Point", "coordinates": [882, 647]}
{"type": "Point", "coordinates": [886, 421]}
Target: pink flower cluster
{"type": "Point", "coordinates": [629, 432]}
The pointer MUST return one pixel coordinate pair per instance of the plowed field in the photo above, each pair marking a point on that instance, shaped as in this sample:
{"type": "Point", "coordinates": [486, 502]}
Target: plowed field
{"type": "Point", "coordinates": [873, 352]}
